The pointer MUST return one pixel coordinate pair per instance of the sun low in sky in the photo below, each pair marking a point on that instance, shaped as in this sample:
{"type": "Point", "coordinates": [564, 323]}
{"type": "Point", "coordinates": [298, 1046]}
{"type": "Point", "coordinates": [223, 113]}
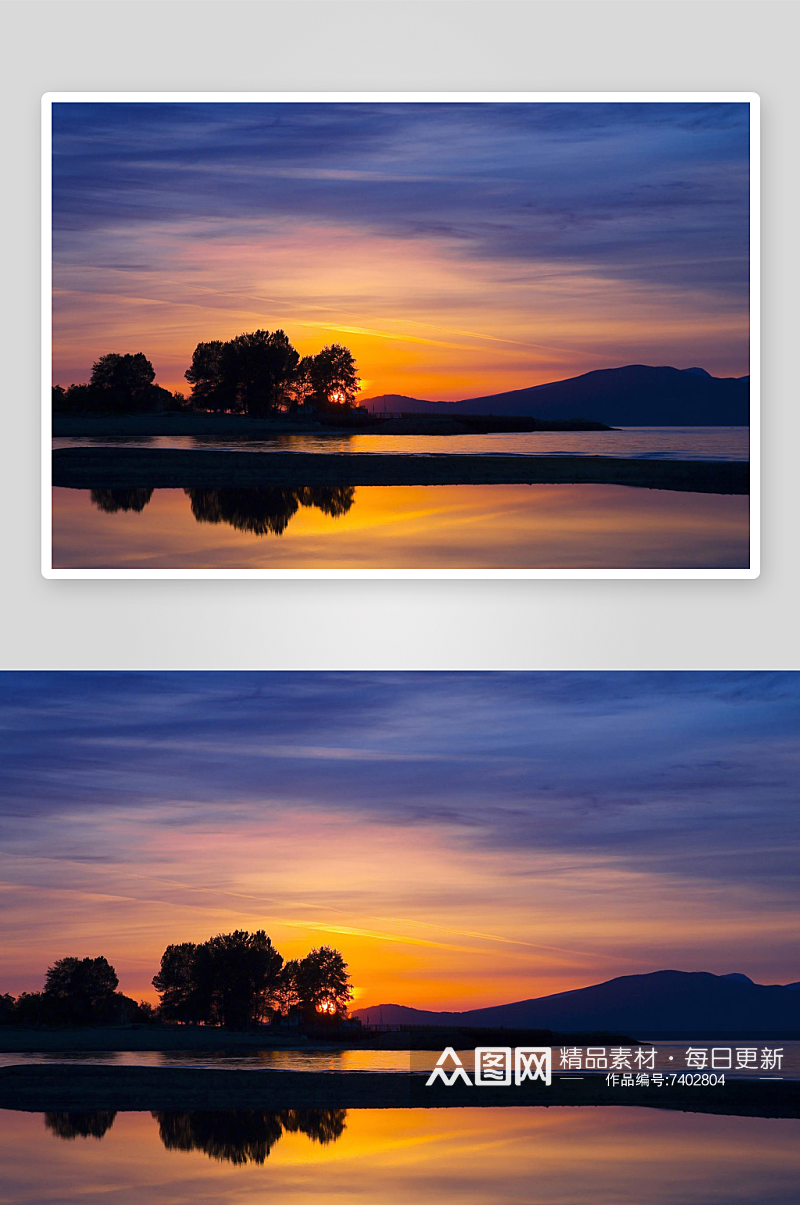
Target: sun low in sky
{"type": "Point", "coordinates": [463, 839]}
{"type": "Point", "coordinates": [457, 249]}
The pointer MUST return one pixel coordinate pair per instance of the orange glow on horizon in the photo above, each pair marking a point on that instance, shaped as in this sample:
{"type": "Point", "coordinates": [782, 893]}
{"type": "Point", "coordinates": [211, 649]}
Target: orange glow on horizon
{"type": "Point", "coordinates": [420, 319]}
{"type": "Point", "coordinates": [417, 526]}
{"type": "Point", "coordinates": [421, 916]}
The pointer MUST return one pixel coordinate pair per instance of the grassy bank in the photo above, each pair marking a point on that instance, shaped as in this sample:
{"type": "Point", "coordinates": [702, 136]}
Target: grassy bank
{"type": "Point", "coordinates": [143, 468]}
{"type": "Point", "coordinates": [54, 1088]}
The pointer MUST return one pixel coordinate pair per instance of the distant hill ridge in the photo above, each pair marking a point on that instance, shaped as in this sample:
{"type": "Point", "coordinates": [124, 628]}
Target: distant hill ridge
{"type": "Point", "coordinates": [661, 1002]}
{"type": "Point", "coordinates": [637, 395]}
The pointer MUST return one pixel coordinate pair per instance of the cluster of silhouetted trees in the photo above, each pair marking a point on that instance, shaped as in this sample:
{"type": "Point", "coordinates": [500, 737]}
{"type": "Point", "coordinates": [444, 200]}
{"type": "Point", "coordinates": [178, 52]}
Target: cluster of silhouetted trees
{"type": "Point", "coordinates": [77, 991]}
{"type": "Point", "coordinates": [118, 385]}
{"type": "Point", "coordinates": [258, 373]}
{"type": "Point", "coordinates": [260, 511]}
{"type": "Point", "coordinates": [237, 980]}
{"type": "Point", "coordinates": [267, 511]}
{"type": "Point", "coordinates": [233, 1136]}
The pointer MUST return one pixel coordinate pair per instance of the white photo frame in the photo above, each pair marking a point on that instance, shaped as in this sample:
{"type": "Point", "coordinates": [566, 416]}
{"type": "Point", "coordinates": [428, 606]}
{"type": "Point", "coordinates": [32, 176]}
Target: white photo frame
{"type": "Point", "coordinates": [751, 99]}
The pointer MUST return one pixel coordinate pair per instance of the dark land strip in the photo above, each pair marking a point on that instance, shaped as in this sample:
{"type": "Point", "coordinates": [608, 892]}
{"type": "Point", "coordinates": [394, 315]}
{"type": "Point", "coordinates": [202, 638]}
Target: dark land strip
{"type": "Point", "coordinates": [242, 426]}
{"type": "Point", "coordinates": [164, 468]}
{"type": "Point", "coordinates": [208, 1040]}
{"type": "Point", "coordinates": [80, 1088]}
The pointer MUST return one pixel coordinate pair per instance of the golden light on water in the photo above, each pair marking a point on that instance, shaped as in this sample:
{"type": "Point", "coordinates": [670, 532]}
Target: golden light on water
{"type": "Point", "coordinates": [498, 526]}
{"type": "Point", "coordinates": [387, 1156]}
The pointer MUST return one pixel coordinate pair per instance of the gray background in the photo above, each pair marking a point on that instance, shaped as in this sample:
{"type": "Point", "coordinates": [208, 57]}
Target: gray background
{"type": "Point", "coordinates": [414, 45]}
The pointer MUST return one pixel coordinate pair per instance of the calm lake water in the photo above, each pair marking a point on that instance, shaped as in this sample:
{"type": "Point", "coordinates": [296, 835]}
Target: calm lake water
{"type": "Point", "coordinates": [648, 443]}
{"type": "Point", "coordinates": [401, 527]}
{"type": "Point", "coordinates": [511, 1156]}
{"type": "Point", "coordinates": [671, 1056]}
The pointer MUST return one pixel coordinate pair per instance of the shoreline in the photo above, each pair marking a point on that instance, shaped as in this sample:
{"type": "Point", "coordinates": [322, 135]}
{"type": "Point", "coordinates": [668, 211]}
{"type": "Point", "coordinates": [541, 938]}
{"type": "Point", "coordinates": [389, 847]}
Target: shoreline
{"type": "Point", "coordinates": [167, 468]}
{"type": "Point", "coordinates": [67, 1088]}
{"type": "Point", "coordinates": [119, 1039]}
{"type": "Point", "coordinates": [243, 427]}
{"type": "Point", "coordinates": [212, 1040]}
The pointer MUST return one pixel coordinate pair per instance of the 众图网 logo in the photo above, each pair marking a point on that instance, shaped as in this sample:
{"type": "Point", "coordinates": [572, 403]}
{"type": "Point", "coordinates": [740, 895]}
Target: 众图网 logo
{"type": "Point", "coordinates": [495, 1066]}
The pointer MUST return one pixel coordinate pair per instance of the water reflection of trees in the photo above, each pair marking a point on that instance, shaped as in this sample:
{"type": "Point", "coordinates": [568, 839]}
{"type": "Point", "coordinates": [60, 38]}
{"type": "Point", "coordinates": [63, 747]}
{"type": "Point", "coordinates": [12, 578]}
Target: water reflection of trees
{"type": "Point", "coordinates": [267, 511]}
{"type": "Point", "coordinates": [111, 501]}
{"type": "Point", "coordinates": [245, 1135]}
{"type": "Point", "coordinates": [235, 1136]}
{"type": "Point", "coordinates": [261, 512]}
{"type": "Point", "coordinates": [80, 1125]}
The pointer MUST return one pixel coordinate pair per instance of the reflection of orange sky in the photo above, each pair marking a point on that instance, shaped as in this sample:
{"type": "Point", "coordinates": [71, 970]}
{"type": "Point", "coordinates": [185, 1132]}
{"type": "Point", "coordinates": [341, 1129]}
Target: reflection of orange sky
{"type": "Point", "coordinates": [424, 913]}
{"type": "Point", "coordinates": [612, 1156]}
{"type": "Point", "coordinates": [497, 526]}
{"type": "Point", "coordinates": [390, 1156]}
{"type": "Point", "coordinates": [421, 319]}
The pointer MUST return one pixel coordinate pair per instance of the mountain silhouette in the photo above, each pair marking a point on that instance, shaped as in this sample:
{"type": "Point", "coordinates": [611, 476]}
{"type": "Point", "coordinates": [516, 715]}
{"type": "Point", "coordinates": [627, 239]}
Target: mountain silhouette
{"type": "Point", "coordinates": [663, 1002]}
{"type": "Point", "coordinates": [636, 395]}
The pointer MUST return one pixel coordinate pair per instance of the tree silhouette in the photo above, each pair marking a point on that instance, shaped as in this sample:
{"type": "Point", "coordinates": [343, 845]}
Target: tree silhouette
{"type": "Point", "coordinates": [125, 374]}
{"type": "Point", "coordinates": [333, 376]}
{"type": "Point", "coordinates": [255, 373]}
{"type": "Point", "coordinates": [126, 384]}
{"type": "Point", "coordinates": [299, 389]}
{"type": "Point", "coordinates": [245, 1135]}
{"type": "Point", "coordinates": [239, 980]}
{"type": "Point", "coordinates": [176, 985]}
{"type": "Point", "coordinates": [240, 1136]}
{"type": "Point", "coordinates": [321, 1125]}
{"type": "Point", "coordinates": [80, 1125]}
{"type": "Point", "coordinates": [207, 378]}
{"type": "Point", "coordinates": [263, 512]}
{"type": "Point", "coordinates": [266, 363]}
{"type": "Point", "coordinates": [231, 979]}
{"type": "Point", "coordinates": [266, 511]}
{"type": "Point", "coordinates": [112, 501]}
{"type": "Point", "coordinates": [72, 1004]}
{"type": "Point", "coordinates": [120, 384]}
{"type": "Point", "coordinates": [237, 974]}
{"type": "Point", "coordinates": [32, 1008]}
{"type": "Point", "coordinates": [333, 500]}
{"type": "Point", "coordinates": [80, 990]}
{"type": "Point", "coordinates": [322, 984]}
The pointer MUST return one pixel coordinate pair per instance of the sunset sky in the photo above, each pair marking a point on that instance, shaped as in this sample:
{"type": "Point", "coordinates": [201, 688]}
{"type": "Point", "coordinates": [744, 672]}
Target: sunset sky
{"type": "Point", "coordinates": [464, 839]}
{"type": "Point", "coordinates": [457, 249]}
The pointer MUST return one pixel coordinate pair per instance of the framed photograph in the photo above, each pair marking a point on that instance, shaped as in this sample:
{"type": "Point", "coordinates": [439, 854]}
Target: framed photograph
{"type": "Point", "coordinates": [485, 938]}
{"type": "Point", "coordinates": [400, 335]}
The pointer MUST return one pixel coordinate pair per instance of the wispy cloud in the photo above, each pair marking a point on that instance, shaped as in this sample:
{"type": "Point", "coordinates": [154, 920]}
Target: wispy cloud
{"type": "Point", "coordinates": [552, 827]}
{"type": "Point", "coordinates": [450, 215]}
